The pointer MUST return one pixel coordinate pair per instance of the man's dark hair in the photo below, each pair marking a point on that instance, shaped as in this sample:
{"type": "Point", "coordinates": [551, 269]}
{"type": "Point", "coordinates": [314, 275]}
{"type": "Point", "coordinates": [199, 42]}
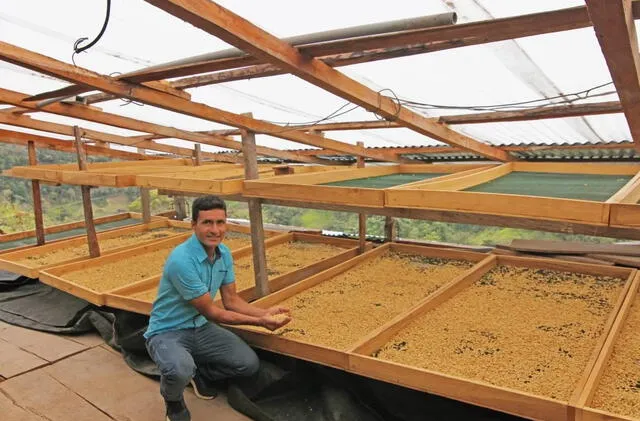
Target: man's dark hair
{"type": "Point", "coordinates": [206, 203]}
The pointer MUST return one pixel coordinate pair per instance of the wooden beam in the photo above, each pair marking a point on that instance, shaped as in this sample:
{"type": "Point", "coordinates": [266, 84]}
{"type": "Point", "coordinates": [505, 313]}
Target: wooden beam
{"type": "Point", "coordinates": [237, 31]}
{"type": "Point", "coordinates": [78, 111]}
{"type": "Point", "coordinates": [615, 29]}
{"type": "Point", "coordinates": [47, 65]}
{"type": "Point", "coordinates": [92, 239]}
{"type": "Point", "coordinates": [37, 199]}
{"type": "Point", "coordinates": [21, 138]}
{"type": "Point", "coordinates": [255, 217]}
{"type": "Point", "coordinates": [197, 154]}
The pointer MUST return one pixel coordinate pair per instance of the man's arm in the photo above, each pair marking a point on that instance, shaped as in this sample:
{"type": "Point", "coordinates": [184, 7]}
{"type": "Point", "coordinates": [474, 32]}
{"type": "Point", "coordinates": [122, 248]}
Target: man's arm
{"type": "Point", "coordinates": [232, 301]}
{"type": "Point", "coordinates": [205, 306]}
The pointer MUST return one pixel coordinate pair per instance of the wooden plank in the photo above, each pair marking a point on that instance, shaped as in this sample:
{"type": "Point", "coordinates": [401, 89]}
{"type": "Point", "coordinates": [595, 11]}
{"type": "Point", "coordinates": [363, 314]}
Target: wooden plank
{"type": "Point", "coordinates": [553, 264]}
{"type": "Point", "coordinates": [463, 172]}
{"type": "Point", "coordinates": [231, 28]}
{"type": "Point", "coordinates": [571, 247]}
{"type": "Point", "coordinates": [629, 193]}
{"type": "Point", "coordinates": [37, 199]}
{"type": "Point", "coordinates": [620, 260]}
{"type": "Point", "coordinates": [145, 200]}
{"type": "Point", "coordinates": [613, 23]}
{"type": "Point", "coordinates": [323, 177]}
{"type": "Point", "coordinates": [624, 215]}
{"type": "Point", "coordinates": [598, 168]}
{"type": "Point", "coordinates": [461, 389]}
{"type": "Point", "coordinates": [546, 208]}
{"type": "Point", "coordinates": [362, 197]}
{"type": "Point", "coordinates": [470, 179]}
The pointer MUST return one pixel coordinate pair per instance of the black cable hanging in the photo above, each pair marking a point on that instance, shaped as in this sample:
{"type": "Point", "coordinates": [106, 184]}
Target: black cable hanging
{"type": "Point", "coordinates": [77, 49]}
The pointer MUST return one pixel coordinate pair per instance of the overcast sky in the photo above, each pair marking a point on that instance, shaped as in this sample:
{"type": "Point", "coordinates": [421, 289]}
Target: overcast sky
{"type": "Point", "coordinates": [139, 35]}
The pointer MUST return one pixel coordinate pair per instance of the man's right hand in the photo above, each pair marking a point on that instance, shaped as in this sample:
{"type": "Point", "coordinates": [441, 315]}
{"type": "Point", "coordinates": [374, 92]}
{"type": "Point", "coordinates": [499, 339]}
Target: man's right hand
{"type": "Point", "coordinates": [276, 321]}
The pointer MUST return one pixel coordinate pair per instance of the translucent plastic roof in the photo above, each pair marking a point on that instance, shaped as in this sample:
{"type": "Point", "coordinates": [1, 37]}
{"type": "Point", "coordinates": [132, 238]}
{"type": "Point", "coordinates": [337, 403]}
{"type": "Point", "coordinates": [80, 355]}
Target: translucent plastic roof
{"type": "Point", "coordinates": [139, 35]}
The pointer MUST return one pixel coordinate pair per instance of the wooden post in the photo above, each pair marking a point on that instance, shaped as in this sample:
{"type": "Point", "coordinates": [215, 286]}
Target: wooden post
{"type": "Point", "coordinates": [37, 199]}
{"type": "Point", "coordinates": [180, 205]}
{"type": "Point", "coordinates": [197, 154]}
{"type": "Point", "coordinates": [145, 198]}
{"type": "Point", "coordinates": [390, 229]}
{"type": "Point", "coordinates": [255, 215]}
{"type": "Point", "coordinates": [362, 217]}
{"type": "Point", "coordinates": [92, 239]}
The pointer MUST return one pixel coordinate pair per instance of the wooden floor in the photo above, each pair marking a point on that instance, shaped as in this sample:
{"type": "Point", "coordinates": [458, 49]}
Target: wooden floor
{"type": "Point", "coordinates": [46, 377]}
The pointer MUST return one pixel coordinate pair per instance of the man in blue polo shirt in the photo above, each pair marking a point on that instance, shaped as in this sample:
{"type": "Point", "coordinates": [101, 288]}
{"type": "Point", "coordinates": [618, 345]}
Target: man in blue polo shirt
{"type": "Point", "coordinates": [183, 337]}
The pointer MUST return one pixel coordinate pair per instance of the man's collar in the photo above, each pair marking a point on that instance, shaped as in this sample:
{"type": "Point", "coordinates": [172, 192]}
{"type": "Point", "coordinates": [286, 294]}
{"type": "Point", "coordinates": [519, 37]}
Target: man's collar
{"type": "Point", "coordinates": [199, 250]}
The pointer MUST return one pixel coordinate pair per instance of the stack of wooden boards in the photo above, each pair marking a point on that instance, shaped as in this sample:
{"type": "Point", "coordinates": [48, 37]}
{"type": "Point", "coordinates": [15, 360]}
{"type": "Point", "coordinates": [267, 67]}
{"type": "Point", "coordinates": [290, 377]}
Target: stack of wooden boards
{"type": "Point", "coordinates": [602, 254]}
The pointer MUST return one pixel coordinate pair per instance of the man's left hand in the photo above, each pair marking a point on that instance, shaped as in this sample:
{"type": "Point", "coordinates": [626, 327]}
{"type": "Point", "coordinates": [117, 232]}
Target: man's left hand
{"type": "Point", "coordinates": [271, 311]}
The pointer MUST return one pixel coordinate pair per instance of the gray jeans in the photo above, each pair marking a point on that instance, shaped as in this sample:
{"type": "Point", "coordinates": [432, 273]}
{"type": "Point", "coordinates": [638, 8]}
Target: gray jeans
{"type": "Point", "coordinates": [214, 352]}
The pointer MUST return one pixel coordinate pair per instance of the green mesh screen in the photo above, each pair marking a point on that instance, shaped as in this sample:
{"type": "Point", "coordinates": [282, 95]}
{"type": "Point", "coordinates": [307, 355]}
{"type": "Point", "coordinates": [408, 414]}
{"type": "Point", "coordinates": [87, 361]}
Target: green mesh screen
{"type": "Point", "coordinates": [384, 181]}
{"type": "Point", "coordinates": [70, 233]}
{"type": "Point", "coordinates": [568, 186]}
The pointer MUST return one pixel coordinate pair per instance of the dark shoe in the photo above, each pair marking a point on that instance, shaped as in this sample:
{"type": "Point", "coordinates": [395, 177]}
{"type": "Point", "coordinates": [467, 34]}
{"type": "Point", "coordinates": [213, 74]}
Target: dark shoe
{"type": "Point", "coordinates": [202, 388]}
{"type": "Point", "coordinates": [177, 411]}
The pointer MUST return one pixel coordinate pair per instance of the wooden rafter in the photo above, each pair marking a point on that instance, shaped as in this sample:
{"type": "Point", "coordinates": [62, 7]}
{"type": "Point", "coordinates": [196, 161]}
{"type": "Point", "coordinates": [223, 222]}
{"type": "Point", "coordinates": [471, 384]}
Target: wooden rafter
{"type": "Point", "coordinates": [237, 31]}
{"type": "Point", "coordinates": [12, 97]}
{"type": "Point", "coordinates": [615, 29]}
{"type": "Point", "coordinates": [21, 138]}
{"type": "Point", "coordinates": [47, 65]}
{"type": "Point", "coordinates": [88, 113]}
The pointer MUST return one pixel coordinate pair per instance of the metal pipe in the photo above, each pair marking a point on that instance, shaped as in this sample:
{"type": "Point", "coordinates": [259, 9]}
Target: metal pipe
{"type": "Point", "coordinates": [316, 37]}
{"type": "Point", "coordinates": [399, 25]}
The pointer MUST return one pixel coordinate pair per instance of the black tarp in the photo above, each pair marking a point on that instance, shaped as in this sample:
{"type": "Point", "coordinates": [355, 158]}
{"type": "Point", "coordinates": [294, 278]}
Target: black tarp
{"type": "Point", "coordinates": [285, 389]}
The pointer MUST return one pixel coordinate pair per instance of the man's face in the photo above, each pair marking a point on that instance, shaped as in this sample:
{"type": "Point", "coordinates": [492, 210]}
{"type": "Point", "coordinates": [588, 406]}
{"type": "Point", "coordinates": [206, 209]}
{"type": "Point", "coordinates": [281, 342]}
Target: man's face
{"type": "Point", "coordinates": [210, 227]}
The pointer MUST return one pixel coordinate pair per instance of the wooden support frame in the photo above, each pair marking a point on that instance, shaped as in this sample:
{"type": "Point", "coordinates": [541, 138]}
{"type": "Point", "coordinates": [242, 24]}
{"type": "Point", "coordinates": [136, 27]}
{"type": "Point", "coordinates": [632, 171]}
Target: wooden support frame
{"type": "Point", "coordinates": [122, 298]}
{"type": "Point", "coordinates": [445, 195]}
{"type": "Point", "coordinates": [9, 260]}
{"type": "Point", "coordinates": [240, 33]}
{"type": "Point", "coordinates": [306, 187]}
{"type": "Point", "coordinates": [356, 359]}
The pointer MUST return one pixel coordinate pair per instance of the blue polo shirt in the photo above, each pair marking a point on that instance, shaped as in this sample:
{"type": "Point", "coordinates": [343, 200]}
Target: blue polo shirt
{"type": "Point", "coordinates": [188, 274]}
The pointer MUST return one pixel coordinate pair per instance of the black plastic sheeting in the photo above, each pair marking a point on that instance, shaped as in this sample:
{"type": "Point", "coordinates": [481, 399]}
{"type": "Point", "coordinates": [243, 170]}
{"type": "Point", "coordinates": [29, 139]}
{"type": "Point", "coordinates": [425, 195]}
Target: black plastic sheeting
{"type": "Point", "coordinates": [285, 389]}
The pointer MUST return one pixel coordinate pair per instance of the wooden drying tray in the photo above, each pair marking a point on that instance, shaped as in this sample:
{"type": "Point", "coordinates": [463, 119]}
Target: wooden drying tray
{"type": "Point", "coordinates": [228, 182]}
{"type": "Point", "coordinates": [585, 412]}
{"type": "Point", "coordinates": [5, 238]}
{"type": "Point", "coordinates": [11, 261]}
{"type": "Point", "coordinates": [447, 194]}
{"type": "Point", "coordinates": [476, 392]}
{"type": "Point", "coordinates": [310, 188]}
{"type": "Point", "coordinates": [52, 172]}
{"type": "Point", "coordinates": [54, 275]}
{"type": "Point", "coordinates": [123, 298]}
{"type": "Point", "coordinates": [106, 176]}
{"type": "Point", "coordinates": [357, 359]}
{"type": "Point", "coordinates": [323, 354]}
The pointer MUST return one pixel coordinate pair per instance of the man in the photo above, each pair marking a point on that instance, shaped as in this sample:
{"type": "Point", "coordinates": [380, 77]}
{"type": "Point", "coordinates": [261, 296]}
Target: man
{"type": "Point", "coordinates": [180, 338]}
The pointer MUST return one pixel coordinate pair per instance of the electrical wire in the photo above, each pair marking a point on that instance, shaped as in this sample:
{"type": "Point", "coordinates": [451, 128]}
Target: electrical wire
{"type": "Point", "coordinates": [77, 49]}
